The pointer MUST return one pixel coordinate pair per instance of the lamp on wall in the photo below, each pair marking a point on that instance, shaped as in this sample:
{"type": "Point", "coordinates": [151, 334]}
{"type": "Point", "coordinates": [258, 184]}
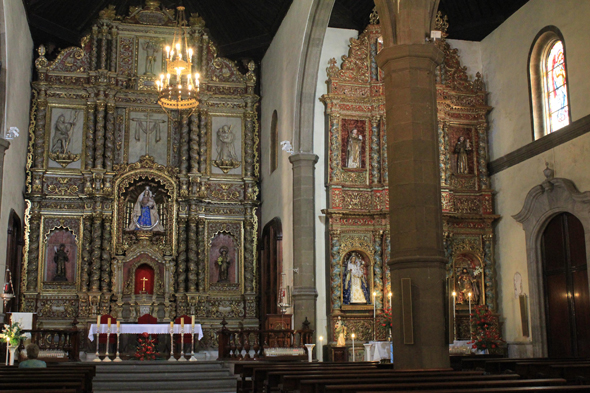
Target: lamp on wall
{"type": "Point", "coordinates": [179, 88]}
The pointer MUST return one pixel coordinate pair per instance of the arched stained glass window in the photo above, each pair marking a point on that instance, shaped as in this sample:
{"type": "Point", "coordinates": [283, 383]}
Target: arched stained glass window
{"type": "Point", "coordinates": [556, 104]}
{"type": "Point", "coordinates": [548, 82]}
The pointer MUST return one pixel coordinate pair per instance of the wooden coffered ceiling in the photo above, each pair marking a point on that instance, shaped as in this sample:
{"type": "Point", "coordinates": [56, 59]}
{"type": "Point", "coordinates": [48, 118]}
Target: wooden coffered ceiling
{"type": "Point", "coordinates": [245, 29]}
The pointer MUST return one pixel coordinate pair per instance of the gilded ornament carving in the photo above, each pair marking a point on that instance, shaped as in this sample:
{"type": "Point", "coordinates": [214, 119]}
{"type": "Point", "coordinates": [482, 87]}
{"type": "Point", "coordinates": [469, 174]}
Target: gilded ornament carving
{"type": "Point", "coordinates": [86, 256]}
{"type": "Point", "coordinates": [335, 170]}
{"type": "Point", "coordinates": [110, 136]}
{"type": "Point", "coordinates": [336, 271]}
{"type": "Point", "coordinates": [203, 139]}
{"type": "Point", "coordinates": [489, 271]}
{"type": "Point", "coordinates": [375, 156]}
{"type": "Point", "coordinates": [62, 185]}
{"type": "Point", "coordinates": [249, 243]}
{"type": "Point", "coordinates": [33, 261]}
{"type": "Point", "coordinates": [378, 269]}
{"type": "Point", "coordinates": [184, 144]}
{"type": "Point", "coordinates": [91, 107]}
{"type": "Point", "coordinates": [99, 136]}
{"type": "Point", "coordinates": [40, 130]}
{"type": "Point", "coordinates": [202, 255]}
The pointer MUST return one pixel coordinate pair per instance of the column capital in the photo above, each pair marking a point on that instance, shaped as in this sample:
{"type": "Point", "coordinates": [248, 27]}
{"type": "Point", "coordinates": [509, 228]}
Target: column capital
{"type": "Point", "coordinates": [299, 159]}
{"type": "Point", "coordinates": [4, 145]}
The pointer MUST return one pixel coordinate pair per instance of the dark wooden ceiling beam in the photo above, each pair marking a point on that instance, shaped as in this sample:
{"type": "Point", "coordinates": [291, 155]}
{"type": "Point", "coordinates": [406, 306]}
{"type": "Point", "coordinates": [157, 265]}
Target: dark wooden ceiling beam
{"type": "Point", "coordinates": [53, 29]}
{"type": "Point", "coordinates": [93, 14]}
{"type": "Point", "coordinates": [247, 45]}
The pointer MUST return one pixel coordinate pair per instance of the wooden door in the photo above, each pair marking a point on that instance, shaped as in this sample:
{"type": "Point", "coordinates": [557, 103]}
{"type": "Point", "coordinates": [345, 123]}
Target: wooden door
{"type": "Point", "coordinates": [14, 247]}
{"type": "Point", "coordinates": [565, 280]}
{"type": "Point", "coordinates": [271, 265]}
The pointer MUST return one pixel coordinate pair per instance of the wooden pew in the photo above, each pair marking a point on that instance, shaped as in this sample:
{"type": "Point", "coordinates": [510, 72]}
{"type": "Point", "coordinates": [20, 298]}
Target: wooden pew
{"type": "Point", "coordinates": [29, 386]}
{"type": "Point", "coordinates": [320, 385]}
{"type": "Point", "coordinates": [83, 373]}
{"type": "Point", "coordinates": [572, 373]}
{"type": "Point", "coordinates": [471, 385]}
{"type": "Point", "coordinates": [524, 389]}
{"type": "Point", "coordinates": [293, 380]}
{"type": "Point", "coordinates": [541, 369]}
{"type": "Point", "coordinates": [497, 366]}
{"type": "Point", "coordinates": [260, 375]}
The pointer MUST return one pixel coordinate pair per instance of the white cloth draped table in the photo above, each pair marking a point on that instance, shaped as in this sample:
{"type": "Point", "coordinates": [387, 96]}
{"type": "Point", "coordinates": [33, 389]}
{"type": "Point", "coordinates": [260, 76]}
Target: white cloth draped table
{"type": "Point", "coordinates": [382, 350]}
{"type": "Point", "coordinates": [151, 328]}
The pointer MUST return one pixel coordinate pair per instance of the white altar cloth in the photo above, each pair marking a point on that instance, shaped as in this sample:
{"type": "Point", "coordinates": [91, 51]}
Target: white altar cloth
{"type": "Point", "coordinates": [382, 350]}
{"type": "Point", "coordinates": [151, 328]}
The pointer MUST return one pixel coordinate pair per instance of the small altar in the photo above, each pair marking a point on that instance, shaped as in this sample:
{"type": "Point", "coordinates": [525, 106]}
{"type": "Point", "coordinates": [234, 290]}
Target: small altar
{"type": "Point", "coordinates": [138, 328]}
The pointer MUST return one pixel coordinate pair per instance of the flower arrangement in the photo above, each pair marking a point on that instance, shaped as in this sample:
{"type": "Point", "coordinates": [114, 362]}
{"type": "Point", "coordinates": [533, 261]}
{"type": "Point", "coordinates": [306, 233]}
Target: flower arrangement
{"type": "Point", "coordinates": [484, 326]}
{"type": "Point", "coordinates": [12, 334]}
{"type": "Point", "coordinates": [146, 350]}
{"type": "Point", "coordinates": [387, 322]}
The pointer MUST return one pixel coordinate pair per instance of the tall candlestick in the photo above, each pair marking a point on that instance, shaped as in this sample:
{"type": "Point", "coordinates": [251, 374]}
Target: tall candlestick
{"type": "Point", "coordinates": [454, 317]}
{"type": "Point", "coordinates": [390, 295]}
{"type": "Point", "coordinates": [118, 326]}
{"type": "Point", "coordinates": [193, 322]}
{"type": "Point", "coordinates": [109, 324]}
{"type": "Point", "coordinates": [321, 349]}
{"type": "Point", "coordinates": [98, 323]}
{"type": "Point", "coordinates": [470, 328]}
{"type": "Point", "coordinates": [182, 324]}
{"type": "Point", "coordinates": [353, 347]}
{"type": "Point", "coordinates": [374, 317]}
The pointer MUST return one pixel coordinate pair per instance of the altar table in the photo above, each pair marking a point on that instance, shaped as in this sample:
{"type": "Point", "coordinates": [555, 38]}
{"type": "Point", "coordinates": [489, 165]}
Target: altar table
{"type": "Point", "coordinates": [382, 350]}
{"type": "Point", "coordinates": [151, 328]}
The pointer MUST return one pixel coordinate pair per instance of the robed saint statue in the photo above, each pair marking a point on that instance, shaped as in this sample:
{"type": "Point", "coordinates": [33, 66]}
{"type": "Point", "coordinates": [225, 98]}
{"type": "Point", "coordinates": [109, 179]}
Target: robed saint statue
{"type": "Point", "coordinates": [356, 290]}
{"type": "Point", "coordinates": [145, 215]}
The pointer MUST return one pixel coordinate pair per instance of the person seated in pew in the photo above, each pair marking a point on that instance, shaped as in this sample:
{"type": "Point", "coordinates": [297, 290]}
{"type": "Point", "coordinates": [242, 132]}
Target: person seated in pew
{"type": "Point", "coordinates": [32, 354]}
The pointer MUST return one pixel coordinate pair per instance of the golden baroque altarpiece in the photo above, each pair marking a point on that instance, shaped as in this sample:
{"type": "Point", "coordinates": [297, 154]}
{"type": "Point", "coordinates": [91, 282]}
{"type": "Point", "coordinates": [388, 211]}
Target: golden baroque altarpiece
{"type": "Point", "coordinates": [119, 194]}
{"type": "Point", "coordinates": [358, 200]}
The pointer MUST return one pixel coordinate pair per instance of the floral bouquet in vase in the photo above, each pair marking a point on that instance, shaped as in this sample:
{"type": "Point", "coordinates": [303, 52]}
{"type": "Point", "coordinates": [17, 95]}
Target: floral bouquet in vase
{"type": "Point", "coordinates": [146, 350]}
{"type": "Point", "coordinates": [12, 334]}
{"type": "Point", "coordinates": [387, 322]}
{"type": "Point", "coordinates": [484, 329]}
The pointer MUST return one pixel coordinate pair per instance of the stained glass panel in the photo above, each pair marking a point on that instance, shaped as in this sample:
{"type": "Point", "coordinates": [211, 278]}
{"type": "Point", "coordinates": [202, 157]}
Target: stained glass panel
{"type": "Point", "coordinates": [556, 88]}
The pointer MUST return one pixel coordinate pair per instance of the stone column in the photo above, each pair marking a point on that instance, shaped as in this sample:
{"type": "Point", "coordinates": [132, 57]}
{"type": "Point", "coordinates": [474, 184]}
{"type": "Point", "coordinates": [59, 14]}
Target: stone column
{"type": "Point", "coordinates": [304, 285]}
{"type": "Point", "coordinates": [417, 259]}
{"type": "Point", "coordinates": [414, 205]}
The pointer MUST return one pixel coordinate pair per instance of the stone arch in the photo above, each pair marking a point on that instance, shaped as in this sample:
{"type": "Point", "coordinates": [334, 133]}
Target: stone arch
{"type": "Point", "coordinates": [543, 202]}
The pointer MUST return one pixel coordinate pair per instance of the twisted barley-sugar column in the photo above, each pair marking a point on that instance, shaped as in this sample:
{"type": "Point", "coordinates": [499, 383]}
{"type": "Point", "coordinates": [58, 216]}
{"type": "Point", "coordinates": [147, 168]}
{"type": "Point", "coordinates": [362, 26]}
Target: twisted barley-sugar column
{"type": "Point", "coordinates": [375, 150]}
{"type": "Point", "coordinates": [103, 47]}
{"type": "Point", "coordinates": [249, 143]}
{"type": "Point", "coordinates": [33, 263]}
{"type": "Point", "coordinates": [94, 55]}
{"type": "Point", "coordinates": [194, 143]}
{"type": "Point", "coordinates": [91, 108]}
{"type": "Point", "coordinates": [40, 130]}
{"type": "Point", "coordinates": [184, 141]}
{"type": "Point", "coordinates": [114, 34]}
{"type": "Point", "coordinates": [181, 260]}
{"type": "Point", "coordinates": [99, 140]}
{"type": "Point", "coordinates": [203, 131]}
{"type": "Point", "coordinates": [96, 253]}
{"type": "Point", "coordinates": [378, 269]}
{"type": "Point", "coordinates": [105, 266]}
{"type": "Point", "coordinates": [110, 136]}
{"type": "Point", "coordinates": [192, 254]}
{"type": "Point", "coordinates": [202, 255]}
{"type": "Point", "coordinates": [249, 251]}
{"type": "Point", "coordinates": [86, 256]}
{"type": "Point", "coordinates": [204, 54]}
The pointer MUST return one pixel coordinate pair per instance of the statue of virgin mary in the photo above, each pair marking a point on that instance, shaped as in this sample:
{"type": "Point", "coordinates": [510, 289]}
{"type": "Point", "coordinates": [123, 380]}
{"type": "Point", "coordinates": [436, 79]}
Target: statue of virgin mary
{"type": "Point", "coordinates": [145, 215]}
{"type": "Point", "coordinates": [356, 290]}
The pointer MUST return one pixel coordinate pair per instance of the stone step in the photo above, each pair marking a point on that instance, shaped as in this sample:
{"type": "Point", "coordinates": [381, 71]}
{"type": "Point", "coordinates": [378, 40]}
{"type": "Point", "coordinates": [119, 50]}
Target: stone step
{"type": "Point", "coordinates": [162, 376]}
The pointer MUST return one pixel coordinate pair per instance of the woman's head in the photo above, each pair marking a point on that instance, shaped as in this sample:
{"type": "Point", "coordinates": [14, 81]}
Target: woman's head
{"type": "Point", "coordinates": [32, 351]}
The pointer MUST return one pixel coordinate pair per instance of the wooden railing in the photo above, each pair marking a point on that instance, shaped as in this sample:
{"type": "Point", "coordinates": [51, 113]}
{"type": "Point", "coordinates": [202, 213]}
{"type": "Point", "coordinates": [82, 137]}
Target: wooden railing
{"type": "Point", "coordinates": [252, 344]}
{"type": "Point", "coordinates": [64, 342]}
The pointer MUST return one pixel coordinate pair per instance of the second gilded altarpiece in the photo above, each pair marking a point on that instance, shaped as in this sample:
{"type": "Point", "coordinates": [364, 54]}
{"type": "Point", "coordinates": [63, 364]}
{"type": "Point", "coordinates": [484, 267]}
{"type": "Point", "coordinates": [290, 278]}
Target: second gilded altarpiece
{"type": "Point", "coordinates": [357, 188]}
{"type": "Point", "coordinates": [131, 211]}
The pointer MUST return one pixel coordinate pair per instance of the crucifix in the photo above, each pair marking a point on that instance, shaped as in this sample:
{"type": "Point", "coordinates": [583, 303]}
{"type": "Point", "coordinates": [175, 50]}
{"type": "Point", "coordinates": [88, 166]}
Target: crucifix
{"type": "Point", "coordinates": [145, 279]}
{"type": "Point", "coordinates": [148, 127]}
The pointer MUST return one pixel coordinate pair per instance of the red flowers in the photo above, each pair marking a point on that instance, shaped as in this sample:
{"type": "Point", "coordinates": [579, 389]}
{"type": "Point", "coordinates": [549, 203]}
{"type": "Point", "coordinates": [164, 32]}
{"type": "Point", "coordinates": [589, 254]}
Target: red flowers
{"type": "Point", "coordinates": [145, 349]}
{"type": "Point", "coordinates": [484, 329]}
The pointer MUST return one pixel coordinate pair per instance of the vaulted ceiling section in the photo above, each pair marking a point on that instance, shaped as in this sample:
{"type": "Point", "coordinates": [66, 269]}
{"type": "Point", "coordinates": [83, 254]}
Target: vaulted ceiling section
{"type": "Point", "coordinates": [244, 29]}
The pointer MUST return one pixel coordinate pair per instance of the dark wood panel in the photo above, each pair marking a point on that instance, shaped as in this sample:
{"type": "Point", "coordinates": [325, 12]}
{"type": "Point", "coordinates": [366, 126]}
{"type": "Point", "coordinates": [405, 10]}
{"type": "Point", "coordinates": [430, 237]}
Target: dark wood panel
{"type": "Point", "coordinates": [554, 241]}
{"type": "Point", "coordinates": [559, 338]}
{"type": "Point", "coordinates": [577, 242]}
{"type": "Point", "coordinates": [582, 312]}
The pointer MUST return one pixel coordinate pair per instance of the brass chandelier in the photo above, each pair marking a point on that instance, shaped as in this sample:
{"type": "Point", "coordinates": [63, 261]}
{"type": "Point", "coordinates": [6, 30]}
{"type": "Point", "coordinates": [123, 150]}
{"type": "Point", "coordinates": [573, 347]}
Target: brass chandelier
{"type": "Point", "coordinates": [178, 90]}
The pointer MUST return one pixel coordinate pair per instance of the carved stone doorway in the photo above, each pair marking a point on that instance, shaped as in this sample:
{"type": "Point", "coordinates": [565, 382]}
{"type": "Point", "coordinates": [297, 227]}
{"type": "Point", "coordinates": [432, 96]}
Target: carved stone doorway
{"type": "Point", "coordinates": [565, 277]}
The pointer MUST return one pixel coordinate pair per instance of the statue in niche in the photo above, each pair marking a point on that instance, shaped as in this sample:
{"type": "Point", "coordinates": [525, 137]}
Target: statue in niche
{"type": "Point", "coordinates": [60, 258]}
{"type": "Point", "coordinates": [340, 331]}
{"type": "Point", "coordinates": [223, 263]}
{"type": "Point", "coordinates": [151, 50]}
{"type": "Point", "coordinates": [356, 290]}
{"type": "Point", "coordinates": [63, 133]}
{"type": "Point", "coordinates": [148, 127]}
{"type": "Point", "coordinates": [467, 283]}
{"type": "Point", "coordinates": [462, 147]}
{"type": "Point", "coordinates": [145, 215]}
{"type": "Point", "coordinates": [227, 159]}
{"type": "Point", "coordinates": [353, 151]}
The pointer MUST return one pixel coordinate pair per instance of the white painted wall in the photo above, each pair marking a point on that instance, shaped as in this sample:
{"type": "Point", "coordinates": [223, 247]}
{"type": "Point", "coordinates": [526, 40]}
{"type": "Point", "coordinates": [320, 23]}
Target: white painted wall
{"type": "Point", "coordinates": [336, 43]}
{"type": "Point", "coordinates": [505, 54]}
{"type": "Point", "coordinates": [470, 54]}
{"type": "Point", "coordinates": [278, 87]}
{"type": "Point", "coordinates": [504, 59]}
{"type": "Point", "coordinates": [18, 68]}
